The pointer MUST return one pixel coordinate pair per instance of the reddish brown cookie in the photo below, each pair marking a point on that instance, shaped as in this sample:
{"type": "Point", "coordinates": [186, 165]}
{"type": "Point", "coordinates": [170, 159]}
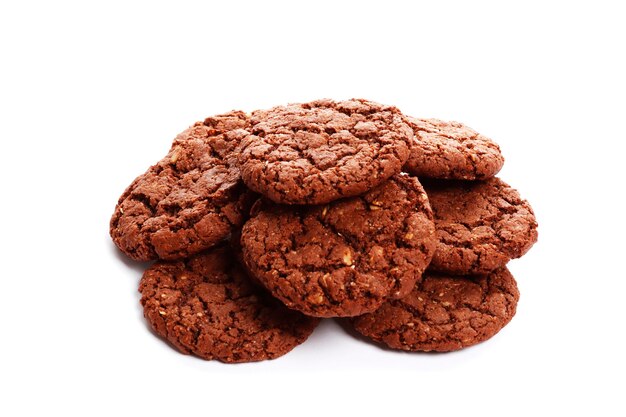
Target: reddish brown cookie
{"type": "Point", "coordinates": [451, 150]}
{"type": "Point", "coordinates": [318, 152]}
{"type": "Point", "coordinates": [481, 225]}
{"type": "Point", "coordinates": [345, 258]}
{"type": "Point", "coordinates": [191, 199]}
{"type": "Point", "coordinates": [444, 313]}
{"type": "Point", "coordinates": [207, 306]}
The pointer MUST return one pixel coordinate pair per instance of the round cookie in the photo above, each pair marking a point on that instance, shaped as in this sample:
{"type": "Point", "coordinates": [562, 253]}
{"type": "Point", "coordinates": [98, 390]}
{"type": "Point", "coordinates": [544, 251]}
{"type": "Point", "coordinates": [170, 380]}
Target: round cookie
{"type": "Point", "coordinates": [451, 150]}
{"type": "Point", "coordinates": [321, 151]}
{"type": "Point", "coordinates": [345, 258]}
{"type": "Point", "coordinates": [191, 199]}
{"type": "Point", "coordinates": [206, 305]}
{"type": "Point", "coordinates": [444, 313]}
{"type": "Point", "coordinates": [480, 225]}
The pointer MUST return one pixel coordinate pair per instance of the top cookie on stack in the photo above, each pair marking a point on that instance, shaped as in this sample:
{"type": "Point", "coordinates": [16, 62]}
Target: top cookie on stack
{"type": "Point", "coordinates": [321, 151]}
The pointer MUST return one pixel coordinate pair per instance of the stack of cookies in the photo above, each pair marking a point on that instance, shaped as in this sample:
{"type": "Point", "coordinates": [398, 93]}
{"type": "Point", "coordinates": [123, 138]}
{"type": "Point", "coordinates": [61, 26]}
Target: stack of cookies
{"type": "Point", "coordinates": [263, 224]}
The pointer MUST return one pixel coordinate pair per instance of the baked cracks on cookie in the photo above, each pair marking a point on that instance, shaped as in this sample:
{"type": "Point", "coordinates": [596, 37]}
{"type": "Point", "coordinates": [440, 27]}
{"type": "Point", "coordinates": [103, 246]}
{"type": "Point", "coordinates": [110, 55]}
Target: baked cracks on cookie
{"type": "Point", "coordinates": [444, 313]}
{"type": "Point", "coordinates": [317, 152]}
{"type": "Point", "coordinates": [346, 257]}
{"type": "Point", "coordinates": [190, 200]}
{"type": "Point", "coordinates": [206, 305]}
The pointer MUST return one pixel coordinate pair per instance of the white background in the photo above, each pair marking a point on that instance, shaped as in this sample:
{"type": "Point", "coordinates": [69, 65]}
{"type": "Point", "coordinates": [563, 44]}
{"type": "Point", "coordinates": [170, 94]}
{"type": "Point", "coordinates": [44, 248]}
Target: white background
{"type": "Point", "coordinates": [91, 95]}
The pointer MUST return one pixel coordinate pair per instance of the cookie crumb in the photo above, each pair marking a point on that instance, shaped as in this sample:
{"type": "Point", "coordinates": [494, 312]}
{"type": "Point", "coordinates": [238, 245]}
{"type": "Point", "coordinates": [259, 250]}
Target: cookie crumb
{"type": "Point", "coordinates": [174, 156]}
{"type": "Point", "coordinates": [347, 258]}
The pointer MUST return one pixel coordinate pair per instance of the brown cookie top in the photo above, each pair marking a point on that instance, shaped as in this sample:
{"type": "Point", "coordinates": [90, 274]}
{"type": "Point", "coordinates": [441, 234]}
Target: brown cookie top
{"type": "Point", "coordinates": [318, 152]}
{"type": "Point", "coordinates": [480, 225]}
{"type": "Point", "coordinates": [345, 258]}
{"type": "Point", "coordinates": [188, 201]}
{"type": "Point", "coordinates": [206, 305]}
{"type": "Point", "coordinates": [451, 150]}
{"type": "Point", "coordinates": [444, 313]}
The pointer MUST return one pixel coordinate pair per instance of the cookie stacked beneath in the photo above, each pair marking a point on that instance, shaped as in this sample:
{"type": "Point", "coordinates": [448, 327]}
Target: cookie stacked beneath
{"type": "Point", "coordinates": [263, 224]}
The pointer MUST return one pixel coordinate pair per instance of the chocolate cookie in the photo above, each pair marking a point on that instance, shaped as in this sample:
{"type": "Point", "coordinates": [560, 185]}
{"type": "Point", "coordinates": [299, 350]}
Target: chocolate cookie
{"type": "Point", "coordinates": [444, 313]}
{"type": "Point", "coordinates": [318, 152]}
{"type": "Point", "coordinates": [207, 306]}
{"type": "Point", "coordinates": [345, 258]}
{"type": "Point", "coordinates": [188, 201]}
{"type": "Point", "coordinates": [451, 150]}
{"type": "Point", "coordinates": [480, 225]}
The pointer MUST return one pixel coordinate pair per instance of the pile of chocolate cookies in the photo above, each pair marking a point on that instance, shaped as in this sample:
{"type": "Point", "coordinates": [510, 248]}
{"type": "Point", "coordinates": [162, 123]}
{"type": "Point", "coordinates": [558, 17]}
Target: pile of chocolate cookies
{"type": "Point", "coordinates": [262, 224]}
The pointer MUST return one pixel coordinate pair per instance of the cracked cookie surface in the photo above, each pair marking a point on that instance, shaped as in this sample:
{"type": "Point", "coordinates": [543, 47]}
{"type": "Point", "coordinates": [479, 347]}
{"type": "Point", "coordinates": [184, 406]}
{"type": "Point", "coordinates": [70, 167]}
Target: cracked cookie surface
{"type": "Point", "coordinates": [344, 258]}
{"type": "Point", "coordinates": [444, 313]}
{"type": "Point", "coordinates": [206, 305]}
{"type": "Point", "coordinates": [481, 225]}
{"type": "Point", "coordinates": [317, 152]}
{"type": "Point", "coordinates": [451, 150]}
{"type": "Point", "coordinates": [191, 199]}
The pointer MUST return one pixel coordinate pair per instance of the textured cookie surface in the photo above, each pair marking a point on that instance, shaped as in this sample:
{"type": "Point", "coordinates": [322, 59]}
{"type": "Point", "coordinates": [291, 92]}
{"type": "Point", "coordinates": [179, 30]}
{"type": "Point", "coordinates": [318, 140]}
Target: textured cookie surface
{"type": "Point", "coordinates": [206, 305]}
{"type": "Point", "coordinates": [444, 313]}
{"type": "Point", "coordinates": [344, 258]}
{"type": "Point", "coordinates": [451, 150]}
{"type": "Point", "coordinates": [318, 152]}
{"type": "Point", "coordinates": [188, 201]}
{"type": "Point", "coordinates": [481, 225]}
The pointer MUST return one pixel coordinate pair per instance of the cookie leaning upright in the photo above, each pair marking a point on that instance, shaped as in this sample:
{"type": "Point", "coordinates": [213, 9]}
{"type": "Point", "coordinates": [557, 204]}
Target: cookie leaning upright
{"type": "Point", "coordinates": [317, 152]}
{"type": "Point", "coordinates": [344, 258]}
{"type": "Point", "coordinates": [451, 150]}
{"type": "Point", "coordinates": [191, 199]}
